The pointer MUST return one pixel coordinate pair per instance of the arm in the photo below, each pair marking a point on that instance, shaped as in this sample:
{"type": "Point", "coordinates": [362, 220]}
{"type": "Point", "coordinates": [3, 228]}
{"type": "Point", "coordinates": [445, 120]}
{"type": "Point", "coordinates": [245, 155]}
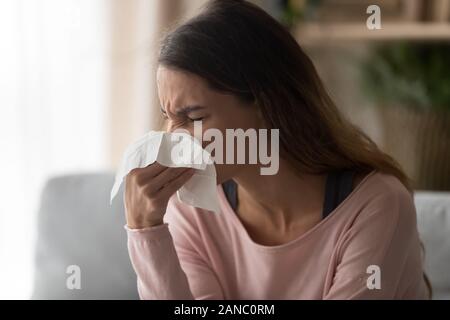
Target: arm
{"type": "Point", "coordinates": [171, 269]}
{"type": "Point", "coordinates": [383, 235]}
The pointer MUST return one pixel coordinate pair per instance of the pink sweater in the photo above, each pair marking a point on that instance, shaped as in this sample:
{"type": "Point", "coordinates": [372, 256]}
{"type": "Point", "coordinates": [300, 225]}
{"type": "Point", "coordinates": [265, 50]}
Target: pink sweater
{"type": "Point", "coordinates": [203, 255]}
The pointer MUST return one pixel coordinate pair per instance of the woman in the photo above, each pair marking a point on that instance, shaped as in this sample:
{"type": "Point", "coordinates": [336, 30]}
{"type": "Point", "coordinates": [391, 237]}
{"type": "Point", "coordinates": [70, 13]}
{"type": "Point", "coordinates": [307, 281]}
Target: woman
{"type": "Point", "coordinates": [336, 222]}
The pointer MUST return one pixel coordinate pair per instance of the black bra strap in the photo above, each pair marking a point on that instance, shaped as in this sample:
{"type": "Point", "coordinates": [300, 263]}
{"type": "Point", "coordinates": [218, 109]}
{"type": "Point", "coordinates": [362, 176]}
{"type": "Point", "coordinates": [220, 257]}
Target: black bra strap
{"type": "Point", "coordinates": [338, 187]}
{"type": "Point", "coordinates": [230, 189]}
{"type": "Point", "coordinates": [330, 194]}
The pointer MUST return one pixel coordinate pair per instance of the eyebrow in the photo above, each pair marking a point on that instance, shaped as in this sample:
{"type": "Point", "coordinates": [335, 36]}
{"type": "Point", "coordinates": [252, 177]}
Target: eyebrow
{"type": "Point", "coordinates": [186, 109]}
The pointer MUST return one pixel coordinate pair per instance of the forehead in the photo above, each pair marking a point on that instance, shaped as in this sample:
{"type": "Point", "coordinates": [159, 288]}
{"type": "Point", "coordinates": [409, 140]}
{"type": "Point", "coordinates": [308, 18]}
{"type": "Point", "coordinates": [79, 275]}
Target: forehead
{"type": "Point", "coordinates": [181, 87]}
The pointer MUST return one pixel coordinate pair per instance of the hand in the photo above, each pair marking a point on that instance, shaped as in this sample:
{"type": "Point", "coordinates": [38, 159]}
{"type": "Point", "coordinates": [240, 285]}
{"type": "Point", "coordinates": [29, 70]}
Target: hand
{"type": "Point", "coordinates": [147, 192]}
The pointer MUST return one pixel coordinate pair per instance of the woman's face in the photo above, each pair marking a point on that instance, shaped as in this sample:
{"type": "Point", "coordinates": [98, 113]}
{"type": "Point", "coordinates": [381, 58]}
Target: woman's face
{"type": "Point", "coordinates": [186, 97]}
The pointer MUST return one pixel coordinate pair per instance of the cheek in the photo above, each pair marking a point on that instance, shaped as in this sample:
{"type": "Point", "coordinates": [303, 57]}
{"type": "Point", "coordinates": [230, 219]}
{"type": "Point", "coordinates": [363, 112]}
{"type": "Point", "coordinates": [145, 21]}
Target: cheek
{"type": "Point", "coordinates": [234, 119]}
{"type": "Point", "coordinates": [224, 171]}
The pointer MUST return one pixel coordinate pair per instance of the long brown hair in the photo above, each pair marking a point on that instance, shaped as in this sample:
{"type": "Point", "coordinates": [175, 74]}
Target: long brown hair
{"type": "Point", "coordinates": [240, 49]}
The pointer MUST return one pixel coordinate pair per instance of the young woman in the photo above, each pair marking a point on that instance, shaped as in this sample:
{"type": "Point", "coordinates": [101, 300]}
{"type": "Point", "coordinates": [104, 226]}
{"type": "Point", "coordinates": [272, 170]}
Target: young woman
{"type": "Point", "coordinates": [336, 222]}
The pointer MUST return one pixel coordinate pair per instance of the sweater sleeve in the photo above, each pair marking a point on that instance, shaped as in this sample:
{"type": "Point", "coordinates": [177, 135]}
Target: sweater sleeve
{"type": "Point", "coordinates": [381, 244]}
{"type": "Point", "coordinates": [167, 264]}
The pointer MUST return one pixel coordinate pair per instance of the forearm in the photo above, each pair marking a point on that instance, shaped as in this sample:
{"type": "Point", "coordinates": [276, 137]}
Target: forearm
{"type": "Point", "coordinates": [155, 261]}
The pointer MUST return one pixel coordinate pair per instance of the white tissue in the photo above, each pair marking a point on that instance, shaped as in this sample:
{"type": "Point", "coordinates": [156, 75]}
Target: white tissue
{"type": "Point", "coordinates": [199, 191]}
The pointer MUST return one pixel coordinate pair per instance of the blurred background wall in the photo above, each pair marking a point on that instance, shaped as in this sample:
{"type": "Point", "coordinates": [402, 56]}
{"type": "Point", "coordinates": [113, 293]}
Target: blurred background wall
{"type": "Point", "coordinates": [77, 85]}
{"type": "Point", "coordinates": [137, 27]}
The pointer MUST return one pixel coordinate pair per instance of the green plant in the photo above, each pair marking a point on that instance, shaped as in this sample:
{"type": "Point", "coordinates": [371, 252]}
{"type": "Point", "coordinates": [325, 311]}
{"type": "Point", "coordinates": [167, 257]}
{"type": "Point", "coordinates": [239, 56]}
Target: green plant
{"type": "Point", "coordinates": [295, 11]}
{"type": "Point", "coordinates": [410, 74]}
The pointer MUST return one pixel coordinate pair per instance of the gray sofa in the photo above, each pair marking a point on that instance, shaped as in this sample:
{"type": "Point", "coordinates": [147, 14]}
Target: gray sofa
{"type": "Point", "coordinates": [77, 226]}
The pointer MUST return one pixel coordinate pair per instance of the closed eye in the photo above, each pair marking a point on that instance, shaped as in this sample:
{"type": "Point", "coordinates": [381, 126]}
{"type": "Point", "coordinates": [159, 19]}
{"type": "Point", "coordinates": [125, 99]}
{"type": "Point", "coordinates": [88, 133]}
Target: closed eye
{"type": "Point", "coordinates": [196, 119]}
{"type": "Point", "coordinates": [183, 114]}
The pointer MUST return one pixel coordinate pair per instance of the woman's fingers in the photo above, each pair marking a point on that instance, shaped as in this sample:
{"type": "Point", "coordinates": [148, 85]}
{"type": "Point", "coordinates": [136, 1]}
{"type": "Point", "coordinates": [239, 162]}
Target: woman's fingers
{"type": "Point", "coordinates": [155, 177]}
{"type": "Point", "coordinates": [169, 175]}
{"type": "Point", "coordinates": [156, 183]}
{"type": "Point", "coordinates": [173, 185]}
{"type": "Point", "coordinates": [142, 175]}
{"type": "Point", "coordinates": [148, 191]}
{"type": "Point", "coordinates": [152, 170]}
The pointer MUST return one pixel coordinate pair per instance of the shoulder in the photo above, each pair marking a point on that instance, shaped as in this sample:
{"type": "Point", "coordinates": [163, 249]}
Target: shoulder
{"type": "Point", "coordinates": [384, 202]}
{"type": "Point", "coordinates": [383, 223]}
{"type": "Point", "coordinates": [387, 191]}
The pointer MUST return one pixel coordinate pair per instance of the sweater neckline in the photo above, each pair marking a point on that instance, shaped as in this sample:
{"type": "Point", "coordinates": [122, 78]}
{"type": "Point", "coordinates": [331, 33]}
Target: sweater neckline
{"type": "Point", "coordinates": [241, 229]}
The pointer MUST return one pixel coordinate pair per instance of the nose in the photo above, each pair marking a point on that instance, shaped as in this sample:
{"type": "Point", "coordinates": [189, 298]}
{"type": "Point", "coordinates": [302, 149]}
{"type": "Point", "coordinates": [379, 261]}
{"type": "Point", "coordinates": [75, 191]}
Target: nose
{"type": "Point", "coordinates": [172, 127]}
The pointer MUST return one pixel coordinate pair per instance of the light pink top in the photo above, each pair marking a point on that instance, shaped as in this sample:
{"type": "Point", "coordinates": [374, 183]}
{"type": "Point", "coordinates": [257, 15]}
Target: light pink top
{"type": "Point", "coordinates": [203, 255]}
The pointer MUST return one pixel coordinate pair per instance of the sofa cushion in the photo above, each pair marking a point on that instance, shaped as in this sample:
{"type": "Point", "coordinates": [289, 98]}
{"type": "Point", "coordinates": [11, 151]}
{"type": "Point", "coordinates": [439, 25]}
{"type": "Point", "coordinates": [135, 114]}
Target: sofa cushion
{"type": "Point", "coordinates": [77, 226]}
{"type": "Point", "coordinates": [433, 220]}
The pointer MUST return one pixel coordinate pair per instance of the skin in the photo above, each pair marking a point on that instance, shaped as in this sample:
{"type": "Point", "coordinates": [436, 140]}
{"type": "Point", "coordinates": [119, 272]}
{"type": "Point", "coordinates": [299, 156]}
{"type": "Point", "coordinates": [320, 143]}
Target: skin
{"type": "Point", "coordinates": [274, 209]}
